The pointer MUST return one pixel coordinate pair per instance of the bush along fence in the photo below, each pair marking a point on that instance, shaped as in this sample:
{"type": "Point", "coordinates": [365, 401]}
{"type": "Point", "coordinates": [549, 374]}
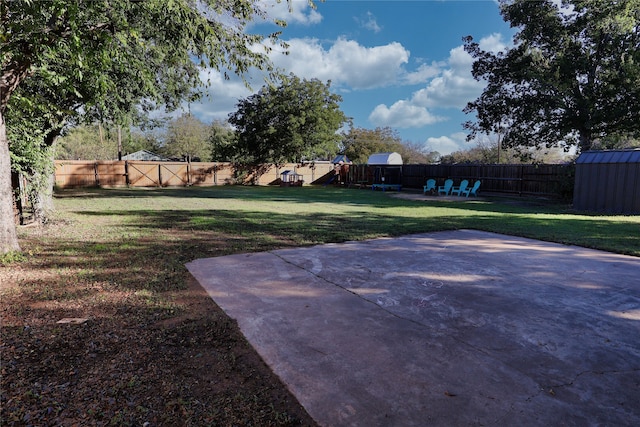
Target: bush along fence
{"type": "Point", "coordinates": [552, 181]}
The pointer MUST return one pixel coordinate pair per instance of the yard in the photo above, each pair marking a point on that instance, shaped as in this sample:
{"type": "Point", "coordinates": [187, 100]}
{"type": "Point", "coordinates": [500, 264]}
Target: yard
{"type": "Point", "coordinates": [155, 349]}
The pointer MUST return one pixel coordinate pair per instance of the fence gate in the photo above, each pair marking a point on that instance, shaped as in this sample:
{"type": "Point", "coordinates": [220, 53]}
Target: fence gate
{"type": "Point", "coordinates": [171, 174]}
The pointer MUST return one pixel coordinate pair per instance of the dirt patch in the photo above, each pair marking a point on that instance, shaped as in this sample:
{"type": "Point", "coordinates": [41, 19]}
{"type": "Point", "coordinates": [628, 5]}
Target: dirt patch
{"type": "Point", "coordinates": [139, 359]}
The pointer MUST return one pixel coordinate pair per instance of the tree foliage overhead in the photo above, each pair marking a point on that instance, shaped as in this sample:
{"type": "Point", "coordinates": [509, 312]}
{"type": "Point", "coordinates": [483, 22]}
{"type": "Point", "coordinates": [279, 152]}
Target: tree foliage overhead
{"type": "Point", "coordinates": [127, 50]}
{"type": "Point", "coordinates": [108, 59]}
{"type": "Point", "coordinates": [295, 121]}
{"type": "Point", "coordinates": [573, 74]}
{"type": "Point", "coordinates": [114, 60]}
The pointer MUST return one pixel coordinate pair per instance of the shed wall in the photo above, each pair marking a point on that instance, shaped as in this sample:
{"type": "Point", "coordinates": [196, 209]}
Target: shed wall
{"type": "Point", "coordinates": [608, 183]}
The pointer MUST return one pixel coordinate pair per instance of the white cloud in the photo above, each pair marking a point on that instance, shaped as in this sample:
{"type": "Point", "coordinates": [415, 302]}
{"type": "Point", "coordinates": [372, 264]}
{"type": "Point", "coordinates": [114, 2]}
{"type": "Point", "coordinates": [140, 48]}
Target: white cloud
{"type": "Point", "coordinates": [493, 43]}
{"type": "Point", "coordinates": [402, 114]}
{"type": "Point", "coordinates": [454, 87]}
{"type": "Point", "coordinates": [345, 62]}
{"type": "Point", "coordinates": [369, 22]}
{"type": "Point", "coordinates": [449, 84]}
{"type": "Point", "coordinates": [449, 144]}
{"type": "Point", "coordinates": [300, 12]}
{"type": "Point", "coordinates": [424, 73]}
{"type": "Point", "coordinates": [221, 96]}
{"type": "Point", "coordinates": [352, 66]}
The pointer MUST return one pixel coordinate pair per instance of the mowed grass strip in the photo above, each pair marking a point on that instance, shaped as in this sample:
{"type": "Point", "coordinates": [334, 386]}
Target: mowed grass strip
{"type": "Point", "coordinates": [154, 350]}
{"type": "Point", "coordinates": [263, 218]}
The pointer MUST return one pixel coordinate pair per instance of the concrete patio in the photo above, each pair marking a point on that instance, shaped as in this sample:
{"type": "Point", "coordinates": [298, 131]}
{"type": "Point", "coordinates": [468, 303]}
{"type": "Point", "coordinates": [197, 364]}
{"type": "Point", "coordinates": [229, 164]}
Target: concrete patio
{"type": "Point", "coordinates": [450, 328]}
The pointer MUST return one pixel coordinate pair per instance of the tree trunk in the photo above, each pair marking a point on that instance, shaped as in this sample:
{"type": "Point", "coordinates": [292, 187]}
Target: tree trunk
{"type": "Point", "coordinates": [8, 234]}
{"type": "Point", "coordinates": [585, 140]}
{"type": "Point", "coordinates": [43, 198]}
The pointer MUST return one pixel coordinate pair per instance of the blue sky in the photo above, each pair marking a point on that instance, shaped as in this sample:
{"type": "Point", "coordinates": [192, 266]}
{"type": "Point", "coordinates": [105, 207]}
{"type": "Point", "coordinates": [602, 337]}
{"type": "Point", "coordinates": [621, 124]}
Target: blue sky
{"type": "Point", "coordinates": [395, 63]}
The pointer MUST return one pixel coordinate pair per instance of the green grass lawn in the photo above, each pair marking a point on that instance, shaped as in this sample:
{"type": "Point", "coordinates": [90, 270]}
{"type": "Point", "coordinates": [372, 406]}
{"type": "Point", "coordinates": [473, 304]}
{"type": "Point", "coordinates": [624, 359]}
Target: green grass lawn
{"type": "Point", "coordinates": [247, 219]}
{"type": "Point", "coordinates": [154, 351]}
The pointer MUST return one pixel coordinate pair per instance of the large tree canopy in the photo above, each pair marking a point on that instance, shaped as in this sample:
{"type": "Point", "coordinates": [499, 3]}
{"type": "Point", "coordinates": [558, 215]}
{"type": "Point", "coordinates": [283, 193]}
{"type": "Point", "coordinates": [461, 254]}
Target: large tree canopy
{"type": "Point", "coordinates": [106, 58]}
{"type": "Point", "coordinates": [573, 75]}
{"type": "Point", "coordinates": [222, 139]}
{"type": "Point", "coordinates": [296, 121]}
{"type": "Point", "coordinates": [188, 139]}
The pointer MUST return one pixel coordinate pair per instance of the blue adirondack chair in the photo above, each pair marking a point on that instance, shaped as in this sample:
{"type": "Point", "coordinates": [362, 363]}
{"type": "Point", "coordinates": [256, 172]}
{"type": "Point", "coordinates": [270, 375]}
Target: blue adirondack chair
{"type": "Point", "coordinates": [430, 187]}
{"type": "Point", "coordinates": [460, 188]}
{"type": "Point", "coordinates": [446, 188]}
{"type": "Point", "coordinates": [472, 190]}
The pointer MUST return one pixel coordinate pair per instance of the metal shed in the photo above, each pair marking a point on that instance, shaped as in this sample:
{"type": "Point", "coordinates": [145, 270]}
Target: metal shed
{"type": "Point", "coordinates": [608, 181]}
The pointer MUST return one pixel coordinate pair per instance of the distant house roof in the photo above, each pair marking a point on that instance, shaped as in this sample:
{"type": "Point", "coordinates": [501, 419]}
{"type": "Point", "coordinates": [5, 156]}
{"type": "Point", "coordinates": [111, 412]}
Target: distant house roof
{"type": "Point", "coordinates": [145, 155]}
{"type": "Point", "coordinates": [340, 158]}
{"type": "Point", "coordinates": [385, 159]}
{"type": "Point", "coordinates": [610, 156]}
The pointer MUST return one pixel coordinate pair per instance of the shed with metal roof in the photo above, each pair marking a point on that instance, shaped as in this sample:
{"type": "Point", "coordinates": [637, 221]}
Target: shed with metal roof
{"type": "Point", "coordinates": [608, 181]}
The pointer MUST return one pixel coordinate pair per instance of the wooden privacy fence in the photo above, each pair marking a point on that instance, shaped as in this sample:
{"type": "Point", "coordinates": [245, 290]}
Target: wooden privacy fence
{"type": "Point", "coordinates": [535, 180]}
{"type": "Point", "coordinates": [82, 173]}
{"type": "Point", "coordinates": [538, 180]}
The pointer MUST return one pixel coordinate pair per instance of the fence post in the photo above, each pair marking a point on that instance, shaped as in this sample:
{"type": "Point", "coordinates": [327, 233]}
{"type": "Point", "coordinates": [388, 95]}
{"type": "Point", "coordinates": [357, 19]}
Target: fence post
{"type": "Point", "coordinates": [521, 178]}
{"type": "Point", "coordinates": [96, 176]}
{"type": "Point", "coordinates": [126, 173]}
{"type": "Point", "coordinates": [159, 176]}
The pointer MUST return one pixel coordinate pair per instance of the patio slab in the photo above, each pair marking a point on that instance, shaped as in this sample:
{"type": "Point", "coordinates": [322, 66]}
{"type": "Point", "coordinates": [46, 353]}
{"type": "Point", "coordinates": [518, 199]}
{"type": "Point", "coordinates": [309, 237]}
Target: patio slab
{"type": "Point", "coordinates": [450, 328]}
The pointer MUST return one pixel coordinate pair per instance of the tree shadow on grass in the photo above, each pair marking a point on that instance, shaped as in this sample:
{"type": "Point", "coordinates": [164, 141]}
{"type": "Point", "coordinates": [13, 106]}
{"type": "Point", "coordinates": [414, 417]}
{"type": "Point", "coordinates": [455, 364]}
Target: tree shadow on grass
{"type": "Point", "coordinates": [185, 235]}
{"type": "Point", "coordinates": [125, 279]}
{"type": "Point", "coordinates": [314, 194]}
{"type": "Point", "coordinates": [342, 196]}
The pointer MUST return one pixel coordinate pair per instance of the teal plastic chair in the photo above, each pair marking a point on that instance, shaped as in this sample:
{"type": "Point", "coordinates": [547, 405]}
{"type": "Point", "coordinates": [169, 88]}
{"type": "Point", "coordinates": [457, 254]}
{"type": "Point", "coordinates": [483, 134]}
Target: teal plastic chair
{"type": "Point", "coordinates": [446, 188]}
{"type": "Point", "coordinates": [460, 188]}
{"type": "Point", "coordinates": [473, 190]}
{"type": "Point", "coordinates": [430, 187]}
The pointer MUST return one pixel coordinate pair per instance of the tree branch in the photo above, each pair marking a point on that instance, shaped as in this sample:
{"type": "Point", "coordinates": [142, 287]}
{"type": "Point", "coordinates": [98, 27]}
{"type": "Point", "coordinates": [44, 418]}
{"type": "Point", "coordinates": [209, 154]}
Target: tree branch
{"type": "Point", "coordinates": [13, 74]}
